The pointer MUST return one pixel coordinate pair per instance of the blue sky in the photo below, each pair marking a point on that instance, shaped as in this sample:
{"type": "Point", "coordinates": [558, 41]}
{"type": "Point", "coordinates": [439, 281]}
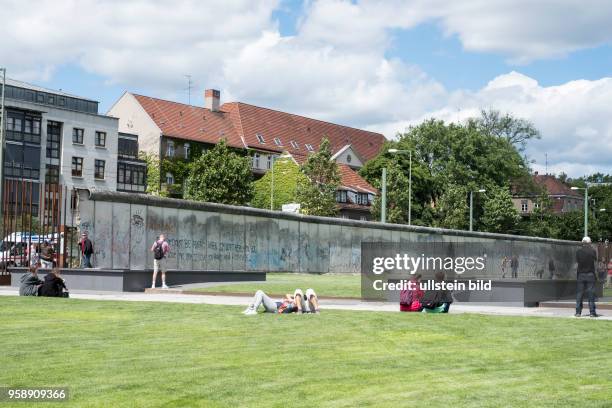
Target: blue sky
{"type": "Point", "coordinates": [377, 65]}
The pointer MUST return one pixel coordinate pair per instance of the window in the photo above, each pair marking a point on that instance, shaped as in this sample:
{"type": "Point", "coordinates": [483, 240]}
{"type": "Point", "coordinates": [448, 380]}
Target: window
{"type": "Point", "coordinates": [349, 158]}
{"type": "Point", "coordinates": [127, 148]}
{"type": "Point", "coordinates": [362, 199]}
{"type": "Point", "coordinates": [27, 126]}
{"type": "Point", "coordinates": [131, 177]}
{"type": "Point", "coordinates": [100, 139]}
{"type": "Point", "coordinates": [54, 134]}
{"type": "Point", "coordinates": [536, 205]}
{"type": "Point", "coordinates": [36, 126]}
{"type": "Point", "coordinates": [270, 161]}
{"type": "Point", "coordinates": [524, 206]}
{"type": "Point", "coordinates": [77, 135]}
{"type": "Point", "coordinates": [363, 218]}
{"type": "Point", "coordinates": [256, 157]}
{"type": "Point", "coordinates": [52, 174]}
{"type": "Point", "coordinates": [187, 148]}
{"type": "Point", "coordinates": [341, 196]}
{"type": "Point", "coordinates": [309, 147]}
{"type": "Point", "coordinates": [77, 167]}
{"type": "Point", "coordinates": [294, 144]}
{"type": "Point", "coordinates": [61, 101]}
{"type": "Point", "coordinates": [99, 169]}
{"type": "Point", "coordinates": [277, 141]}
{"type": "Point", "coordinates": [170, 148]}
{"type": "Point", "coordinates": [260, 138]}
{"type": "Point", "coordinates": [169, 178]}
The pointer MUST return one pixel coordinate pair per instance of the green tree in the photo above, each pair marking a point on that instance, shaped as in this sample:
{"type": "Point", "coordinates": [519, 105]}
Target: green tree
{"type": "Point", "coordinates": [153, 174]}
{"type": "Point", "coordinates": [220, 176]}
{"type": "Point", "coordinates": [499, 213]}
{"type": "Point", "coordinates": [542, 222]}
{"type": "Point", "coordinates": [517, 131]}
{"type": "Point", "coordinates": [397, 196]}
{"type": "Point", "coordinates": [446, 155]}
{"type": "Point", "coordinates": [453, 210]}
{"type": "Point", "coordinates": [287, 177]}
{"type": "Point", "coordinates": [317, 196]}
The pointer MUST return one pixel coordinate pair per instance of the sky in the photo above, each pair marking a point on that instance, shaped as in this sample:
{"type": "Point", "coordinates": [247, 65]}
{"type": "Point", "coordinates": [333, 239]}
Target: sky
{"type": "Point", "coordinates": [379, 65]}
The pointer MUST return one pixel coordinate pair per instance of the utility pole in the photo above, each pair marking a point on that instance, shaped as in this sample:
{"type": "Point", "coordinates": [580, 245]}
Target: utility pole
{"type": "Point", "coordinates": [2, 127]}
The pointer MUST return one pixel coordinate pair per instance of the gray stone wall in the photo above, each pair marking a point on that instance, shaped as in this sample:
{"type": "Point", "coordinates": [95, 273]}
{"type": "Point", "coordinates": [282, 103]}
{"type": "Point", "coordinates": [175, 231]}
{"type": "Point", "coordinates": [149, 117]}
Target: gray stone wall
{"type": "Point", "coordinates": [215, 237]}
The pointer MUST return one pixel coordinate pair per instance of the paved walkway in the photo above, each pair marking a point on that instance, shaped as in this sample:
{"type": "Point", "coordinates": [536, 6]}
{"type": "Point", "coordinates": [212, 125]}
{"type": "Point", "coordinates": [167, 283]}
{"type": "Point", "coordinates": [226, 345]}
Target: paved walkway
{"type": "Point", "coordinates": [335, 304]}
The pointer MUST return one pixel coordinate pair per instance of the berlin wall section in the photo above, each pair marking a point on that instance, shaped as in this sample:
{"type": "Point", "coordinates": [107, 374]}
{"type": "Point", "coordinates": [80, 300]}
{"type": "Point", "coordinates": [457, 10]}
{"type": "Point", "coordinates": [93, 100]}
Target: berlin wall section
{"type": "Point", "coordinates": [215, 237]}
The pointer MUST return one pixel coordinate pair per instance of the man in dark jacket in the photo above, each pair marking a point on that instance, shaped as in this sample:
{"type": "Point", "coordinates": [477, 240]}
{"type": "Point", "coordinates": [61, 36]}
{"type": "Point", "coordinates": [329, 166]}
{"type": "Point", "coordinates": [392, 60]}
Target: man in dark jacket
{"type": "Point", "coordinates": [30, 282]}
{"type": "Point", "coordinates": [585, 276]}
{"type": "Point", "coordinates": [53, 285]}
{"type": "Point", "coordinates": [86, 247]}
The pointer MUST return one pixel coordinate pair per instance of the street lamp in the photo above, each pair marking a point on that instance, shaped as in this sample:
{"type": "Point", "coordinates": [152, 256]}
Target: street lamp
{"type": "Point", "coordinates": [586, 208]}
{"type": "Point", "coordinates": [482, 190]}
{"type": "Point", "coordinates": [409, 180]}
{"type": "Point", "coordinates": [274, 158]}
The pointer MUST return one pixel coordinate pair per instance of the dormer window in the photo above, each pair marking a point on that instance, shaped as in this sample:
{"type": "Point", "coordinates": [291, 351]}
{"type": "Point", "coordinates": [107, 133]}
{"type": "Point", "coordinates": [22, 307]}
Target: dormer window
{"type": "Point", "coordinates": [277, 141]}
{"type": "Point", "coordinates": [260, 138]}
{"type": "Point", "coordinates": [309, 147]}
{"type": "Point", "coordinates": [294, 144]}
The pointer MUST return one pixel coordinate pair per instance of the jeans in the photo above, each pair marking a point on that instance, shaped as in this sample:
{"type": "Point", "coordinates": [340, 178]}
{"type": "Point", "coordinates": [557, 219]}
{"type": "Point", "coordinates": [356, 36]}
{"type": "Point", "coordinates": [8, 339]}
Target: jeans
{"type": "Point", "coordinates": [262, 299]}
{"type": "Point", "coordinates": [86, 261]}
{"type": "Point", "coordinates": [585, 282]}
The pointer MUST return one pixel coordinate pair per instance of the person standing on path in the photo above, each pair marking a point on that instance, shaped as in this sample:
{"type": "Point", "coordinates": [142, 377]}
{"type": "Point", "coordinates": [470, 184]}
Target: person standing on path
{"type": "Point", "coordinates": [160, 251]}
{"type": "Point", "coordinates": [586, 257]}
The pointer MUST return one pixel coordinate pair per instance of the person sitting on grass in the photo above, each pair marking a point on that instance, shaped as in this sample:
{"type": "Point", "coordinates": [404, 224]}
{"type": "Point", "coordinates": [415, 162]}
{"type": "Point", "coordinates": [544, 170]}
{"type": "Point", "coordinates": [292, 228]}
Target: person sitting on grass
{"type": "Point", "coordinates": [30, 282]}
{"type": "Point", "coordinates": [308, 303]}
{"type": "Point", "coordinates": [410, 298]}
{"type": "Point", "coordinates": [437, 301]}
{"type": "Point", "coordinates": [53, 285]}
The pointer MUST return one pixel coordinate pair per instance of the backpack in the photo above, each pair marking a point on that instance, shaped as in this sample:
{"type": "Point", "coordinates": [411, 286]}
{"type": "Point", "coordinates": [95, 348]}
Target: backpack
{"type": "Point", "coordinates": [158, 251]}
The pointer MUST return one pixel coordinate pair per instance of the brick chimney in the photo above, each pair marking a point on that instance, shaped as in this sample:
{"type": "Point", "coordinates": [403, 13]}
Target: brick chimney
{"type": "Point", "coordinates": [211, 99]}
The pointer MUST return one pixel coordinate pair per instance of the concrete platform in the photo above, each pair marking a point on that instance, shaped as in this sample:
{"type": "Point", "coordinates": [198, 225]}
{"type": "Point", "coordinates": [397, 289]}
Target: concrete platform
{"type": "Point", "coordinates": [136, 280]}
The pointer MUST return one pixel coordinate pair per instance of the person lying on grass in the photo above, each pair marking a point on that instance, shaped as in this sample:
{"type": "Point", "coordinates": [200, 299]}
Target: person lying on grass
{"type": "Point", "coordinates": [289, 303]}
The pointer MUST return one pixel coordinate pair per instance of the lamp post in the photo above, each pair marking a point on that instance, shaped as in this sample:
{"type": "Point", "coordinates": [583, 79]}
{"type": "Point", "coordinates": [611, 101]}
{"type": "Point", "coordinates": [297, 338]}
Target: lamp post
{"type": "Point", "coordinates": [586, 208]}
{"type": "Point", "coordinates": [409, 180]}
{"type": "Point", "coordinates": [482, 190]}
{"type": "Point", "coordinates": [383, 206]}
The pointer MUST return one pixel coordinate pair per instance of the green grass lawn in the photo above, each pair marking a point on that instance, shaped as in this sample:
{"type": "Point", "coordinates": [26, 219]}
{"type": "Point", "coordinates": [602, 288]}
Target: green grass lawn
{"type": "Point", "coordinates": [334, 285]}
{"type": "Point", "coordinates": [140, 354]}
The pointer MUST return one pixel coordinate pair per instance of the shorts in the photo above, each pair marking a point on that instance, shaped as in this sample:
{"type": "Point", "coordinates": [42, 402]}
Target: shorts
{"type": "Point", "coordinates": [159, 265]}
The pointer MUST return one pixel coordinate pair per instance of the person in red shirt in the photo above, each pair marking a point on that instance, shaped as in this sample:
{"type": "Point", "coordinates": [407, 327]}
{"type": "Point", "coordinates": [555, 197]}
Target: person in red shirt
{"type": "Point", "coordinates": [410, 298]}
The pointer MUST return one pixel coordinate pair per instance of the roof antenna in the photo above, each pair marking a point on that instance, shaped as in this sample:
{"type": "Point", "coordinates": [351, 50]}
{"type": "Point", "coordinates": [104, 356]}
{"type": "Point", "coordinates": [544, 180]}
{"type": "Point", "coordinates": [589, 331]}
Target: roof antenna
{"type": "Point", "coordinates": [188, 89]}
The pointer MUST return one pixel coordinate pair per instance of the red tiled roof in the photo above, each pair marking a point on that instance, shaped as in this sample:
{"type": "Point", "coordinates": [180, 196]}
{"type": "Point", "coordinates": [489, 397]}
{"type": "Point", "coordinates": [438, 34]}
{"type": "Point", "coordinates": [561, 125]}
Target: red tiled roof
{"type": "Point", "coordinates": [349, 178]}
{"type": "Point", "coordinates": [239, 123]}
{"type": "Point", "coordinates": [191, 122]}
{"type": "Point", "coordinates": [352, 180]}
{"type": "Point", "coordinates": [287, 127]}
{"type": "Point", "coordinates": [554, 186]}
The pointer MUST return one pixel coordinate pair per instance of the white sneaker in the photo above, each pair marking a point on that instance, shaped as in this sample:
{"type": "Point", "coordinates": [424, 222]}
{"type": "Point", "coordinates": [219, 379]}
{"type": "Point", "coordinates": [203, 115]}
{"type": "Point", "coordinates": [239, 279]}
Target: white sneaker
{"type": "Point", "coordinates": [152, 286]}
{"type": "Point", "coordinates": [164, 286]}
{"type": "Point", "coordinates": [249, 312]}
